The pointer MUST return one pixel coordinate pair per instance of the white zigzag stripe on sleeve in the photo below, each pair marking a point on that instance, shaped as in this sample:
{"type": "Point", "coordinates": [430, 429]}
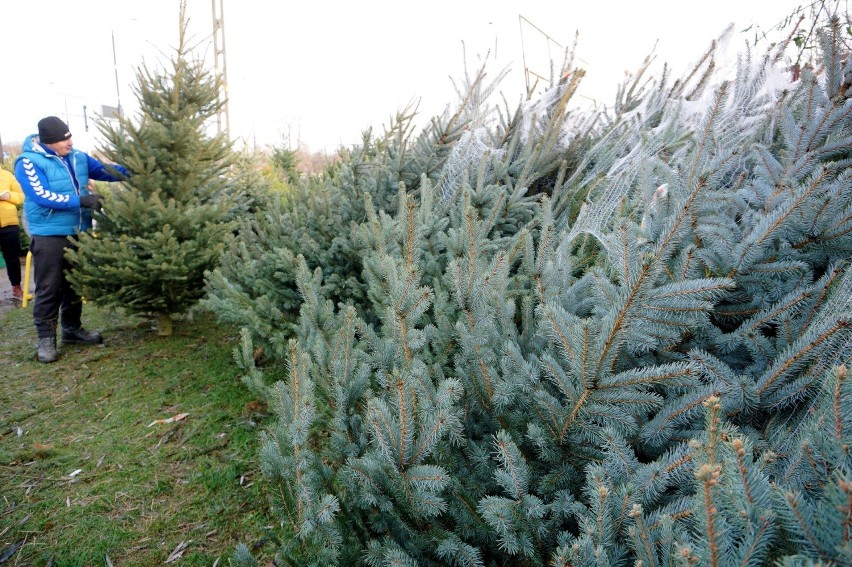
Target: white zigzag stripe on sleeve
{"type": "Point", "coordinates": [38, 188]}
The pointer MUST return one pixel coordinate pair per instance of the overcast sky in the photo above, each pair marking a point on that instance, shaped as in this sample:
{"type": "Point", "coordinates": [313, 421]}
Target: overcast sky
{"type": "Point", "coordinates": [321, 72]}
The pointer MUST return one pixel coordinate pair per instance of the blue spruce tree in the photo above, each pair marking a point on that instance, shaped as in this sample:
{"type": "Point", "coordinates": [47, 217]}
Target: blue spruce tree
{"type": "Point", "coordinates": [616, 340]}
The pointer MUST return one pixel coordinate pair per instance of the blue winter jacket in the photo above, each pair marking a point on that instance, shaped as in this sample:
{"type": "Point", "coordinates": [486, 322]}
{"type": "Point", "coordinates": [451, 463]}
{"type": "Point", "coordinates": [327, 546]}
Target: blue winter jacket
{"type": "Point", "coordinates": [53, 186]}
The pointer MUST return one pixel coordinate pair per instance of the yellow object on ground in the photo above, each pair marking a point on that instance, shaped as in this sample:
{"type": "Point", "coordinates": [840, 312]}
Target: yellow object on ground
{"type": "Point", "coordinates": [28, 265]}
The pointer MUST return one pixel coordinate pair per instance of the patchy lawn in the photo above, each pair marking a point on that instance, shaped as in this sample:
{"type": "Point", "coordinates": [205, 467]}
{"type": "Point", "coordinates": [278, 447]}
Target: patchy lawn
{"type": "Point", "coordinates": [88, 478]}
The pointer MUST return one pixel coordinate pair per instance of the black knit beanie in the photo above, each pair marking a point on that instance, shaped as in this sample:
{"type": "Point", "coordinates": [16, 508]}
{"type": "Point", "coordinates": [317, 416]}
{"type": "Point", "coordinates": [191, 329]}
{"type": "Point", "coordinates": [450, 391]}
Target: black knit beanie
{"type": "Point", "coordinates": [52, 130]}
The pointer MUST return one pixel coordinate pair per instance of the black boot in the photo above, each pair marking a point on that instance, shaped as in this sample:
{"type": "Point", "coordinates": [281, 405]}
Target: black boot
{"type": "Point", "coordinates": [79, 335]}
{"type": "Point", "coordinates": [47, 349]}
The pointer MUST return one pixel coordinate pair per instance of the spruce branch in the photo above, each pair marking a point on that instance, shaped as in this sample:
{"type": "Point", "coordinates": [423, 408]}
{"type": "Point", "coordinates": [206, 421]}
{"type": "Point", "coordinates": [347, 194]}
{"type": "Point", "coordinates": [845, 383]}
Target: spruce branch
{"type": "Point", "coordinates": [802, 350]}
{"type": "Point", "coordinates": [840, 382]}
{"type": "Point", "coordinates": [804, 520]}
{"type": "Point", "coordinates": [708, 475]}
{"type": "Point", "coordinates": [642, 539]}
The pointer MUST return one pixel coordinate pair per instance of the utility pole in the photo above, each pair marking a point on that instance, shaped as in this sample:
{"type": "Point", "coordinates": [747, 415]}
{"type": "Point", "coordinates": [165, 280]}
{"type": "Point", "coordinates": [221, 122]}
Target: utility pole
{"type": "Point", "coordinates": [222, 117]}
{"type": "Point", "coordinates": [115, 68]}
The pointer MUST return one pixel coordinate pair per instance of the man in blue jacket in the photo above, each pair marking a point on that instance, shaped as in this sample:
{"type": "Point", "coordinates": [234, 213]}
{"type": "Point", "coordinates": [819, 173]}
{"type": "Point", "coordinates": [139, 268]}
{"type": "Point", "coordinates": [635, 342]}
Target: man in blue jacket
{"type": "Point", "coordinates": [58, 205]}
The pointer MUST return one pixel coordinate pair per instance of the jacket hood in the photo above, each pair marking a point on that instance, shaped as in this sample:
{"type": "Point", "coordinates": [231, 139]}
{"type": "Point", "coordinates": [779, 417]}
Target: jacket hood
{"type": "Point", "coordinates": [31, 144]}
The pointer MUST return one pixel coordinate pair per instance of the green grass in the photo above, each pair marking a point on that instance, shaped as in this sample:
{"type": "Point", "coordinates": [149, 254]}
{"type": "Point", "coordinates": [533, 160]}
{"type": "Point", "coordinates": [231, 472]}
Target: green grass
{"type": "Point", "coordinates": [141, 491]}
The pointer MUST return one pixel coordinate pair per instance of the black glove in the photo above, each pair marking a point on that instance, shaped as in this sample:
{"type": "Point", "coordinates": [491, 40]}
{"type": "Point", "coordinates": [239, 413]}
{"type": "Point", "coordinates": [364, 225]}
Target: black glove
{"type": "Point", "coordinates": [91, 201]}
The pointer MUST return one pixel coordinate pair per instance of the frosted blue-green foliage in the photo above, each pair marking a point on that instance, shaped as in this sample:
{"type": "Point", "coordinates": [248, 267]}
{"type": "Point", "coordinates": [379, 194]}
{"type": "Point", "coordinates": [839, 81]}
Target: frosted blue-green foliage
{"type": "Point", "coordinates": [619, 339]}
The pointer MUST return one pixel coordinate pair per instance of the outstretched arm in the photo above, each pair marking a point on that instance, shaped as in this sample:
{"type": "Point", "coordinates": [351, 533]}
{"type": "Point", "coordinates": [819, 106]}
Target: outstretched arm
{"type": "Point", "coordinates": [100, 172]}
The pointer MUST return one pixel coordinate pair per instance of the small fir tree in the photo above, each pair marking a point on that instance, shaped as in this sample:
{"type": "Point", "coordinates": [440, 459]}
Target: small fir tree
{"type": "Point", "coordinates": [159, 233]}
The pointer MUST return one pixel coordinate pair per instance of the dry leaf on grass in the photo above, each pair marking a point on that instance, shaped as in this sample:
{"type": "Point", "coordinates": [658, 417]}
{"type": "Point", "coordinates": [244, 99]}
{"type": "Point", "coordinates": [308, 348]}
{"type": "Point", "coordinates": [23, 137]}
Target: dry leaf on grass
{"type": "Point", "coordinates": [172, 419]}
{"type": "Point", "coordinates": [10, 551]}
{"type": "Point", "coordinates": [177, 552]}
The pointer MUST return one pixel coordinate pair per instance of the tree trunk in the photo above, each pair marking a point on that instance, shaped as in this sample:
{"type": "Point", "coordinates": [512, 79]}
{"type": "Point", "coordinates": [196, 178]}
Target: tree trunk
{"type": "Point", "coordinates": [164, 324]}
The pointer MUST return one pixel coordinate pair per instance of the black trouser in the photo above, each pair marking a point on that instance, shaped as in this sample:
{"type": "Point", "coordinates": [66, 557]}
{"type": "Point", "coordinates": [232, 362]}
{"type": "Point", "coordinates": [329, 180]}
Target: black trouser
{"type": "Point", "coordinates": [10, 245]}
{"type": "Point", "coordinates": [54, 295]}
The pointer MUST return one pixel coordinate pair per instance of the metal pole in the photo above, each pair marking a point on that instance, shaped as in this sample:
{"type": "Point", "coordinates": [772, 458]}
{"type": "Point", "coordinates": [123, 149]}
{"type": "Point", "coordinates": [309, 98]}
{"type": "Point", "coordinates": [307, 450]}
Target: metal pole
{"type": "Point", "coordinates": [221, 66]}
{"type": "Point", "coordinates": [115, 67]}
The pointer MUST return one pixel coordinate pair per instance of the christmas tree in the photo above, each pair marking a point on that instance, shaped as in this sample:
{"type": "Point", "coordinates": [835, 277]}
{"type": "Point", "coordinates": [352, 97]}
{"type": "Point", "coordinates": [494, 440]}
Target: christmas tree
{"type": "Point", "coordinates": [616, 339]}
{"type": "Point", "coordinates": [159, 233]}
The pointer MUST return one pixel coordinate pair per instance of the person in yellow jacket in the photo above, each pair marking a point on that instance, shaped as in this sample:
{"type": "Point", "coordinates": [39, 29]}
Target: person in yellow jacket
{"type": "Point", "coordinates": [11, 197]}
